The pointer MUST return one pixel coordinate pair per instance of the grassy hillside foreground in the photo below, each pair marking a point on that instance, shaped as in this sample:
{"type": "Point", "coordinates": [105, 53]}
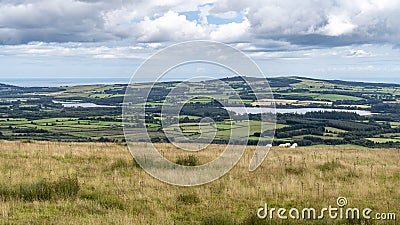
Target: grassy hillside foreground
{"type": "Point", "coordinates": [94, 183]}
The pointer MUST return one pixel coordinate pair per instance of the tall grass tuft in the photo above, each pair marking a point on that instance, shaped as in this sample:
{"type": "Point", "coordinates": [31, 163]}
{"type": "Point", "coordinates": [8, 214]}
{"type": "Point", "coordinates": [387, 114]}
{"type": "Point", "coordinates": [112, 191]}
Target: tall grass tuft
{"type": "Point", "coordinates": [124, 164]}
{"type": "Point", "coordinates": [329, 166]}
{"type": "Point", "coordinates": [41, 190]}
{"type": "Point", "coordinates": [298, 171]}
{"type": "Point", "coordinates": [106, 201]}
{"type": "Point", "coordinates": [218, 219]}
{"type": "Point", "coordinates": [65, 188]}
{"type": "Point", "coordinates": [37, 191]}
{"type": "Point", "coordinates": [188, 198]}
{"type": "Point", "coordinates": [189, 160]}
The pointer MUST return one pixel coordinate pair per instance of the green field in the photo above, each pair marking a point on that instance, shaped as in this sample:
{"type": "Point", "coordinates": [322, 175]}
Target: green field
{"type": "Point", "coordinates": [335, 130]}
{"type": "Point", "coordinates": [384, 140]}
{"type": "Point", "coordinates": [31, 113]}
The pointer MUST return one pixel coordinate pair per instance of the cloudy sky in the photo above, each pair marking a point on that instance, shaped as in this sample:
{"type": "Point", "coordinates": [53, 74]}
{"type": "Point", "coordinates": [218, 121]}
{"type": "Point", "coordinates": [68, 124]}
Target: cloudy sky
{"type": "Point", "coordinates": [336, 39]}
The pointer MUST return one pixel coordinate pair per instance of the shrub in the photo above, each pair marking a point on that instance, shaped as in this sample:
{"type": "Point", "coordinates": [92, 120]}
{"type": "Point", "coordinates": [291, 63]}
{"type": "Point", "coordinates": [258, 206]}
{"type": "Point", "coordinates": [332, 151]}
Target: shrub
{"type": "Point", "coordinates": [190, 160]}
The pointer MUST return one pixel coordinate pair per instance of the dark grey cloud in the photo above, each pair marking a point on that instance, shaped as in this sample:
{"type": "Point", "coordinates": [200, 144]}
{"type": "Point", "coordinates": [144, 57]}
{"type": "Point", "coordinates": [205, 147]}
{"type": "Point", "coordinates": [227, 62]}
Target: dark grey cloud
{"type": "Point", "coordinates": [327, 23]}
{"type": "Point", "coordinates": [267, 24]}
{"type": "Point", "coordinates": [51, 21]}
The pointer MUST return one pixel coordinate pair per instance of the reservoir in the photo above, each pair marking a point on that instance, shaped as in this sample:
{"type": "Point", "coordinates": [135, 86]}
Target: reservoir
{"type": "Point", "coordinates": [238, 110]}
{"type": "Point", "coordinates": [82, 104]}
{"type": "Point", "coordinates": [256, 110]}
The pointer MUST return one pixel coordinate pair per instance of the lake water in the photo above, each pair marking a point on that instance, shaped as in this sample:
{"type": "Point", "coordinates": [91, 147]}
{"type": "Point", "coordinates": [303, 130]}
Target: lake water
{"type": "Point", "coordinates": [239, 110]}
{"type": "Point", "coordinates": [81, 104]}
{"type": "Point", "coordinates": [253, 110]}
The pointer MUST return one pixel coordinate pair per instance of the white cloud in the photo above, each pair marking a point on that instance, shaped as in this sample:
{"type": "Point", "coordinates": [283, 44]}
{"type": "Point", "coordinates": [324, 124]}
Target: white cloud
{"type": "Point", "coordinates": [318, 22]}
{"type": "Point", "coordinates": [141, 51]}
{"type": "Point", "coordinates": [226, 15]}
{"type": "Point", "coordinates": [231, 32]}
{"type": "Point", "coordinates": [204, 13]}
{"type": "Point", "coordinates": [169, 27]}
{"type": "Point", "coordinates": [338, 25]}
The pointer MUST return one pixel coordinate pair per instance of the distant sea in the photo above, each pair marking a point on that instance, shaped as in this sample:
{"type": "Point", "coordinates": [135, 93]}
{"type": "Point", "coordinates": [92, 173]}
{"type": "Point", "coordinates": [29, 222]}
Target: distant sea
{"type": "Point", "coordinates": [57, 82]}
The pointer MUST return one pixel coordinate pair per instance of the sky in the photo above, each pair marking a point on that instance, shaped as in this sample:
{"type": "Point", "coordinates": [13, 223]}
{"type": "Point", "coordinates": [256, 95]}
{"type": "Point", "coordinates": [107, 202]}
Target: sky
{"type": "Point", "coordinates": [103, 39]}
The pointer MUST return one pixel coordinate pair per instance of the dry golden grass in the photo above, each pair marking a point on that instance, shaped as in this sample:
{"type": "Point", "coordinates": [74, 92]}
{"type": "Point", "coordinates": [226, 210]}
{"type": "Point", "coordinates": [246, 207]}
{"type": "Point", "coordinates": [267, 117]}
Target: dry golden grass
{"type": "Point", "coordinates": [115, 191]}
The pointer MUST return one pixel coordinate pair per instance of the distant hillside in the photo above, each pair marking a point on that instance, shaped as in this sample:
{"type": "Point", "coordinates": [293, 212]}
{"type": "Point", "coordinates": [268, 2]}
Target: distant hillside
{"type": "Point", "coordinates": [7, 86]}
{"type": "Point", "coordinates": [288, 81]}
{"type": "Point", "coordinates": [7, 90]}
{"type": "Point", "coordinates": [349, 83]}
{"type": "Point", "coordinates": [285, 81]}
